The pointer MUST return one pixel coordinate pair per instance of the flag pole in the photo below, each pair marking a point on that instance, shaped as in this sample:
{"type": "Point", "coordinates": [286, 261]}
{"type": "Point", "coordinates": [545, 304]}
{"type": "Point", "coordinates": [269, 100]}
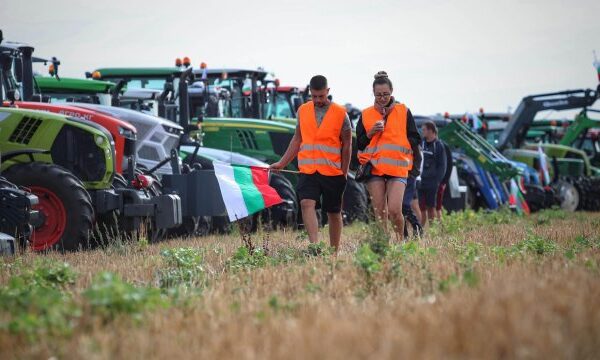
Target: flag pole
{"type": "Point", "coordinates": [268, 169]}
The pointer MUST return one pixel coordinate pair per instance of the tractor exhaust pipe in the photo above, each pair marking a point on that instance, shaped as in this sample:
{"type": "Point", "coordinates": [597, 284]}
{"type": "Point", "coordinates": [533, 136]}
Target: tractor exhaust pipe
{"type": "Point", "coordinates": [27, 72]}
{"type": "Point", "coordinates": [184, 100]}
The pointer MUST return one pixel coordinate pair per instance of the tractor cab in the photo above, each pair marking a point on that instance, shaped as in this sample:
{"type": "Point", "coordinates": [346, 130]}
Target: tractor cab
{"type": "Point", "coordinates": [233, 93]}
{"type": "Point", "coordinates": [282, 102]}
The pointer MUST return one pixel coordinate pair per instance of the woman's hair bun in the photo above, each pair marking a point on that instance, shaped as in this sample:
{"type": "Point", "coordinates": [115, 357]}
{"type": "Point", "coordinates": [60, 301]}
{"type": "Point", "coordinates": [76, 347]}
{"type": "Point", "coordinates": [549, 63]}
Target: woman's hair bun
{"type": "Point", "coordinates": [381, 75]}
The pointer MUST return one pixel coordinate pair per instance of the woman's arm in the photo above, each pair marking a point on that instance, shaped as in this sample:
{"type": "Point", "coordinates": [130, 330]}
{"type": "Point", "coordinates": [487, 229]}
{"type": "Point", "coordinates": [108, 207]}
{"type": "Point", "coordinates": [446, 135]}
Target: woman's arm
{"type": "Point", "coordinates": [362, 139]}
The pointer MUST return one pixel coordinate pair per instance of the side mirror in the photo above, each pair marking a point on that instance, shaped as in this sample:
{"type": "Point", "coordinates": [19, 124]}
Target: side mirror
{"type": "Point", "coordinates": [13, 95]}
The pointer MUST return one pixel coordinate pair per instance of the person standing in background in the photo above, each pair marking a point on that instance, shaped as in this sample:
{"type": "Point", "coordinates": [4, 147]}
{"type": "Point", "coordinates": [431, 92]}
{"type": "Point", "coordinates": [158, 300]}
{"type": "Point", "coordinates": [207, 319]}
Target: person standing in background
{"type": "Point", "coordinates": [412, 214]}
{"type": "Point", "coordinates": [434, 169]}
{"type": "Point", "coordinates": [444, 183]}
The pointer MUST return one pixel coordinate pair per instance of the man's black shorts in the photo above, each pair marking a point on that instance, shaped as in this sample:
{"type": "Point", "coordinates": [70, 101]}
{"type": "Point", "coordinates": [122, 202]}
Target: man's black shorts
{"type": "Point", "coordinates": [329, 188]}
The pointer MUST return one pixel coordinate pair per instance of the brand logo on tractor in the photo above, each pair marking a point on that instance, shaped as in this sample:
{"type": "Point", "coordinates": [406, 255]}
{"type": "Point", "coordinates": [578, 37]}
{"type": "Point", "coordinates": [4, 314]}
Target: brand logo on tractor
{"type": "Point", "coordinates": [76, 114]}
{"type": "Point", "coordinates": [555, 103]}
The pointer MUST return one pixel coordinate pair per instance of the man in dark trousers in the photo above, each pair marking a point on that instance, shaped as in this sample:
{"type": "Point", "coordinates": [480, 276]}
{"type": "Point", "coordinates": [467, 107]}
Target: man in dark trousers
{"type": "Point", "coordinates": [323, 144]}
{"type": "Point", "coordinates": [434, 169]}
{"type": "Point", "coordinates": [445, 180]}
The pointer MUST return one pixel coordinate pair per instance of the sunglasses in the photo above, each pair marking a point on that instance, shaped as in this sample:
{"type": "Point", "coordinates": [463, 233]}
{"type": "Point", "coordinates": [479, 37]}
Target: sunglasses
{"type": "Point", "coordinates": [384, 95]}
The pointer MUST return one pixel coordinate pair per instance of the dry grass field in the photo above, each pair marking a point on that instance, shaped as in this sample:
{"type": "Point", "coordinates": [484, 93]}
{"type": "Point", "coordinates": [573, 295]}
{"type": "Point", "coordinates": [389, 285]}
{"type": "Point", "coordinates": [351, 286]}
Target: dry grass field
{"type": "Point", "coordinates": [477, 286]}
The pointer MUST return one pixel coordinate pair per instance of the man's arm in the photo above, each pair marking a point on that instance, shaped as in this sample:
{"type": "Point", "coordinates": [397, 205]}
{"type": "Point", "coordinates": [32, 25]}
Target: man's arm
{"type": "Point", "coordinates": [346, 150]}
{"type": "Point", "coordinates": [414, 138]}
{"type": "Point", "coordinates": [291, 152]}
{"type": "Point", "coordinates": [440, 161]}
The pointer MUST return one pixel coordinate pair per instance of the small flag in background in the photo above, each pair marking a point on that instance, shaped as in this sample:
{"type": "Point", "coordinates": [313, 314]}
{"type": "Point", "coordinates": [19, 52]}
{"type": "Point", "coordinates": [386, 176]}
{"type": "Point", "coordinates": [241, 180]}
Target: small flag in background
{"type": "Point", "coordinates": [543, 165]}
{"type": "Point", "coordinates": [477, 123]}
{"type": "Point", "coordinates": [245, 190]}
{"type": "Point", "coordinates": [517, 200]}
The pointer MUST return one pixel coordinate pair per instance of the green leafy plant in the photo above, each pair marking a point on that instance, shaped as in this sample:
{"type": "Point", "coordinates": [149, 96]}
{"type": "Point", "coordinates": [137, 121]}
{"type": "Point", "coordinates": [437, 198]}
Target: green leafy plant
{"type": "Point", "coordinates": [319, 249]}
{"type": "Point", "coordinates": [183, 268]}
{"type": "Point", "coordinates": [243, 259]}
{"type": "Point", "coordinates": [36, 301]}
{"type": "Point", "coordinates": [368, 263]}
{"type": "Point", "coordinates": [110, 296]}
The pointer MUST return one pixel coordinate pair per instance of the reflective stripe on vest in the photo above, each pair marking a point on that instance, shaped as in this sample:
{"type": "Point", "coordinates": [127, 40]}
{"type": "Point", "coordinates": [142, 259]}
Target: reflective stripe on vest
{"type": "Point", "coordinates": [390, 151]}
{"type": "Point", "coordinates": [319, 162]}
{"type": "Point", "coordinates": [321, 147]}
{"type": "Point", "coordinates": [325, 148]}
{"type": "Point", "coordinates": [391, 147]}
{"type": "Point", "coordinates": [392, 162]}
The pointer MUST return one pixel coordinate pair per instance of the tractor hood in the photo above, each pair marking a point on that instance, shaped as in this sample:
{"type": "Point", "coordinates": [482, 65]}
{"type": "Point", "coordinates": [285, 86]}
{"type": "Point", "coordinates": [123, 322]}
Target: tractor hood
{"type": "Point", "coordinates": [143, 122]}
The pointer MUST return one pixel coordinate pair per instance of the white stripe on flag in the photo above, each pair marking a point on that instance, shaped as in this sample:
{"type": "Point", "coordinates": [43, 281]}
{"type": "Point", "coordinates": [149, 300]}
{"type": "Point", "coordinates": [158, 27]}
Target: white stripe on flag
{"type": "Point", "coordinates": [231, 192]}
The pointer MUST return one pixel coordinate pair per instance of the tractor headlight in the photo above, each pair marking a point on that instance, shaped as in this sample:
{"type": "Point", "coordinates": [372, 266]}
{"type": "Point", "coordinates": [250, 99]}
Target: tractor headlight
{"type": "Point", "coordinates": [99, 140]}
{"type": "Point", "coordinates": [127, 133]}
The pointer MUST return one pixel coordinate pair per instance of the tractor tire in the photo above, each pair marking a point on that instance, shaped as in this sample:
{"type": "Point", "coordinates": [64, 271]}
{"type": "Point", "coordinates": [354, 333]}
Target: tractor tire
{"type": "Point", "coordinates": [286, 213]}
{"type": "Point", "coordinates": [590, 192]}
{"type": "Point", "coordinates": [473, 199]}
{"type": "Point", "coordinates": [221, 225]}
{"type": "Point", "coordinates": [66, 215]}
{"type": "Point", "coordinates": [356, 202]}
{"type": "Point", "coordinates": [568, 193]}
{"type": "Point", "coordinates": [536, 197]}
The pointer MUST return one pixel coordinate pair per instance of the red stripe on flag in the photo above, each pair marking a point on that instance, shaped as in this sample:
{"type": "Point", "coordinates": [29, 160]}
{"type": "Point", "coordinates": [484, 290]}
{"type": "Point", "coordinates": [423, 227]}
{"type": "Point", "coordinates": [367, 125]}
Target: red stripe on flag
{"type": "Point", "coordinates": [260, 176]}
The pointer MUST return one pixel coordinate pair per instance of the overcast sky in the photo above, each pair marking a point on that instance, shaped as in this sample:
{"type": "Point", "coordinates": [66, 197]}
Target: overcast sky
{"type": "Point", "coordinates": [441, 55]}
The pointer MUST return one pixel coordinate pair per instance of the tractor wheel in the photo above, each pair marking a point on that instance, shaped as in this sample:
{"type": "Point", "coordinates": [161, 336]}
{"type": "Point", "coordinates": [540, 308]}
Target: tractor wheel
{"type": "Point", "coordinates": [286, 213]}
{"type": "Point", "coordinates": [221, 225]}
{"type": "Point", "coordinates": [568, 193]}
{"type": "Point", "coordinates": [66, 215]}
{"type": "Point", "coordinates": [204, 226]}
{"type": "Point", "coordinates": [590, 192]}
{"type": "Point", "coordinates": [535, 197]}
{"type": "Point", "coordinates": [356, 202]}
{"type": "Point", "coordinates": [473, 201]}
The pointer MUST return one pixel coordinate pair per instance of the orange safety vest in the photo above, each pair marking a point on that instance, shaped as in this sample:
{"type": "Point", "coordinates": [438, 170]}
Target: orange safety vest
{"type": "Point", "coordinates": [389, 151]}
{"type": "Point", "coordinates": [321, 147]}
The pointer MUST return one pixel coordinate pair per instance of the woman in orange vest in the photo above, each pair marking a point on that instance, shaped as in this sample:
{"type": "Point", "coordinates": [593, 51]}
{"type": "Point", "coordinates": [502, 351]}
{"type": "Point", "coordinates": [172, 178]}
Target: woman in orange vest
{"type": "Point", "coordinates": [388, 138]}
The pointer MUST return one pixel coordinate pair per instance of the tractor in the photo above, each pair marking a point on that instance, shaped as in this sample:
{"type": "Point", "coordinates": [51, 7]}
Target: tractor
{"type": "Point", "coordinates": [69, 163]}
{"type": "Point", "coordinates": [573, 175]}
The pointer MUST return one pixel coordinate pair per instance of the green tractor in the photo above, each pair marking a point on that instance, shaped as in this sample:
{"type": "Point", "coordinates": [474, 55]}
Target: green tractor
{"type": "Point", "coordinates": [69, 164]}
{"type": "Point", "coordinates": [573, 175]}
{"type": "Point", "coordinates": [583, 133]}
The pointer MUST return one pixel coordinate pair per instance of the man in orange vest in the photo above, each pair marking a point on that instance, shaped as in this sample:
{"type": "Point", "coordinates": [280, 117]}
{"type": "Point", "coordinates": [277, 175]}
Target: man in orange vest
{"type": "Point", "coordinates": [323, 145]}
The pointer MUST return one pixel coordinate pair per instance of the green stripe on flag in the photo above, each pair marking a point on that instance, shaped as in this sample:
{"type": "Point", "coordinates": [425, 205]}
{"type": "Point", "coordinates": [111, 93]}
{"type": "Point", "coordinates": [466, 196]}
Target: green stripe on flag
{"type": "Point", "coordinates": [252, 197]}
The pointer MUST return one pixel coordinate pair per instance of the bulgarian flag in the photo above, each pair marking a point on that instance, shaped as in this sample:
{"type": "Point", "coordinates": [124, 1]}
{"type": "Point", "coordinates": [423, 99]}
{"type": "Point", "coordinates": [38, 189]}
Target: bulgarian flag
{"type": "Point", "coordinates": [517, 200]}
{"type": "Point", "coordinates": [245, 190]}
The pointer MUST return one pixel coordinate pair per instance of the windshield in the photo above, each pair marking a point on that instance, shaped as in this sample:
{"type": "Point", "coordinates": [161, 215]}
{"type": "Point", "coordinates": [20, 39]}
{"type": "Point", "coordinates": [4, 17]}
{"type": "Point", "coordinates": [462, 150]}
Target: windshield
{"type": "Point", "coordinates": [154, 84]}
{"type": "Point", "coordinates": [222, 98]}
